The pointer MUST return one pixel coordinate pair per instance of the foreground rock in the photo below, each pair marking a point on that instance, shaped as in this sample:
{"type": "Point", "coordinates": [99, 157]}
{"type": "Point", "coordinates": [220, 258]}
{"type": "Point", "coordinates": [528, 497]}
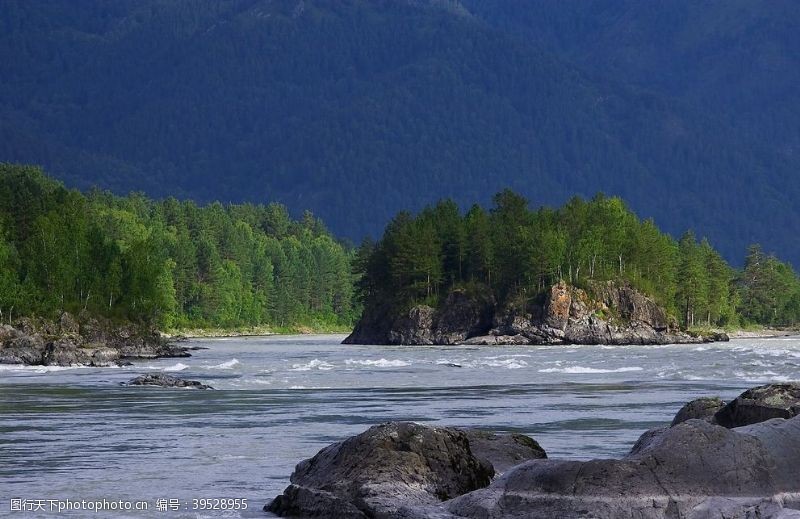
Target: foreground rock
{"type": "Point", "coordinates": [162, 380]}
{"type": "Point", "coordinates": [693, 469]}
{"type": "Point", "coordinates": [84, 342]}
{"type": "Point", "coordinates": [615, 314]}
{"type": "Point", "coordinates": [394, 469]}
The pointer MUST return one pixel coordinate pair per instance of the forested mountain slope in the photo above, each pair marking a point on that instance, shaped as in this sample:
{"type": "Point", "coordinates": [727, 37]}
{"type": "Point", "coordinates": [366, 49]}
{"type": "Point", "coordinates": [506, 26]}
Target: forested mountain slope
{"type": "Point", "coordinates": [357, 109]}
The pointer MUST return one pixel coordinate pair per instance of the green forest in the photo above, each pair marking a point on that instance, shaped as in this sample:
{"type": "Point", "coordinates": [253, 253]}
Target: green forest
{"type": "Point", "coordinates": [178, 265]}
{"type": "Point", "coordinates": [516, 254]}
{"type": "Point", "coordinates": [171, 263]}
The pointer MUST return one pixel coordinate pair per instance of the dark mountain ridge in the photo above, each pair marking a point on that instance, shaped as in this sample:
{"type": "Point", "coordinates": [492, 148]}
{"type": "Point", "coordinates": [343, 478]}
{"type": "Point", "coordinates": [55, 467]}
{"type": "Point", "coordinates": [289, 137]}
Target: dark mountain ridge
{"type": "Point", "coordinates": [356, 109]}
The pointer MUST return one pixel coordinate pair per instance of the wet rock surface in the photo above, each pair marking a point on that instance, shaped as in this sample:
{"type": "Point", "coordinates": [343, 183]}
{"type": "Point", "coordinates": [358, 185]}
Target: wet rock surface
{"type": "Point", "coordinates": [85, 341]}
{"type": "Point", "coordinates": [693, 469]}
{"type": "Point", "coordinates": [162, 380]}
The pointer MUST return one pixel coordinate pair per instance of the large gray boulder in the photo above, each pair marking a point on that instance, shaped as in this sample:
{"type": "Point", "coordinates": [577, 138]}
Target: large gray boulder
{"type": "Point", "coordinates": [396, 470]}
{"type": "Point", "coordinates": [760, 404]}
{"type": "Point", "coordinates": [377, 472]}
{"type": "Point", "coordinates": [695, 470]}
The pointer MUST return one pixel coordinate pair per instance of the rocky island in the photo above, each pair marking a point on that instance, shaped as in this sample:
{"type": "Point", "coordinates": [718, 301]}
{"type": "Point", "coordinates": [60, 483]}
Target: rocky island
{"type": "Point", "coordinates": [82, 341]}
{"type": "Point", "coordinates": [616, 313]}
{"type": "Point", "coordinates": [716, 460]}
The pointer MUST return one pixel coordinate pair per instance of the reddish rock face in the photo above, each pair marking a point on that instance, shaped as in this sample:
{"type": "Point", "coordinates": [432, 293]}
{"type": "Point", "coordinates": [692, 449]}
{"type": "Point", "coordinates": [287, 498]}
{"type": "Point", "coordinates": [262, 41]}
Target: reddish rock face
{"type": "Point", "coordinates": [558, 306]}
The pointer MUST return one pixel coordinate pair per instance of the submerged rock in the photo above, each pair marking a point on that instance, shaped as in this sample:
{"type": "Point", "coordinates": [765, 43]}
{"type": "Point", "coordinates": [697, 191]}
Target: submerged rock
{"type": "Point", "coordinates": [162, 380]}
{"type": "Point", "coordinates": [392, 469]}
{"type": "Point", "coordinates": [760, 404]}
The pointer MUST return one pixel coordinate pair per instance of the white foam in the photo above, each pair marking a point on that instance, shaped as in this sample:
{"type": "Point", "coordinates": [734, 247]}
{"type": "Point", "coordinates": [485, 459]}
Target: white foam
{"type": "Point", "coordinates": [380, 363]}
{"type": "Point", "coordinates": [580, 370]}
{"type": "Point", "coordinates": [177, 367]}
{"type": "Point", "coordinates": [226, 365]}
{"type": "Point", "coordinates": [506, 363]}
{"type": "Point", "coordinates": [40, 369]}
{"type": "Point", "coordinates": [314, 364]}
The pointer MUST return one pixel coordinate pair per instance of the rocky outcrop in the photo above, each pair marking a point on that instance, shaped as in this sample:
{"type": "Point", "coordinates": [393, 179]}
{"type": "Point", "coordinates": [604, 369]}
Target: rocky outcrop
{"type": "Point", "coordinates": [615, 314]}
{"type": "Point", "coordinates": [693, 469]}
{"type": "Point", "coordinates": [86, 342]}
{"type": "Point", "coordinates": [392, 469]}
{"type": "Point", "coordinates": [162, 380]}
{"type": "Point", "coordinates": [414, 328]}
{"type": "Point", "coordinates": [463, 315]}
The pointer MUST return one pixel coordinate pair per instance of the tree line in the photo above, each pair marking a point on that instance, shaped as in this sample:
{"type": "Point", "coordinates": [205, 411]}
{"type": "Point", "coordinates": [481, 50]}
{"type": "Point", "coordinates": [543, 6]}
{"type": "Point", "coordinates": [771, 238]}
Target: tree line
{"type": "Point", "coordinates": [517, 253]}
{"type": "Point", "coordinates": [172, 263]}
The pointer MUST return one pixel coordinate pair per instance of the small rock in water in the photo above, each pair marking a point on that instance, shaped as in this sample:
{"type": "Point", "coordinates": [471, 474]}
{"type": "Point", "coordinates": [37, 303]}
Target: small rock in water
{"type": "Point", "coordinates": [161, 380]}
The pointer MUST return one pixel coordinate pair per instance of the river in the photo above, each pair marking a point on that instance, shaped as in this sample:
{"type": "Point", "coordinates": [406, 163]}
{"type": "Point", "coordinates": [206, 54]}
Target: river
{"type": "Point", "coordinates": [78, 434]}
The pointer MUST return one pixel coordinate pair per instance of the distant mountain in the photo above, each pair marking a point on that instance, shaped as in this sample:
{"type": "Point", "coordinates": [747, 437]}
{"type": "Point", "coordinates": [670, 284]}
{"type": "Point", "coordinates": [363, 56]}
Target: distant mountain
{"type": "Point", "coordinates": [356, 109]}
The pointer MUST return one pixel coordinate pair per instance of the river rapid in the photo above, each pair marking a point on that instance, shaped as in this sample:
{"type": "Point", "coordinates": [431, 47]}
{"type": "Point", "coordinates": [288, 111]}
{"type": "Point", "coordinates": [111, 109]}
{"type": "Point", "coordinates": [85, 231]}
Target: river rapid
{"type": "Point", "coordinates": [78, 434]}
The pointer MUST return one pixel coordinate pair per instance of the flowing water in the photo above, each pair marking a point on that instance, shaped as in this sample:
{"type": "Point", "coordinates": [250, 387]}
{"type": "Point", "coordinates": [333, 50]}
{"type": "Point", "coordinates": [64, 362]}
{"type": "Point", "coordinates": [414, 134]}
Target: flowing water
{"type": "Point", "coordinates": [78, 434]}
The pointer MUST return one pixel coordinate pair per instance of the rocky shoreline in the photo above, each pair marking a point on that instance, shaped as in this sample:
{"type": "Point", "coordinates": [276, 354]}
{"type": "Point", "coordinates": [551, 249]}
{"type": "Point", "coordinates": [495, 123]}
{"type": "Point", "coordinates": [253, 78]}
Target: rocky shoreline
{"type": "Point", "coordinates": [716, 460]}
{"type": "Point", "coordinates": [614, 314]}
{"type": "Point", "coordinates": [83, 341]}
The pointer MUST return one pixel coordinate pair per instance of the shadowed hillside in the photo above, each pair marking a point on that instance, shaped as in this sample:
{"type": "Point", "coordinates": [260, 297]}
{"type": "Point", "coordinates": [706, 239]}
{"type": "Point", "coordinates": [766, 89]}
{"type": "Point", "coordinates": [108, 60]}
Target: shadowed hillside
{"type": "Point", "coordinates": [357, 109]}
